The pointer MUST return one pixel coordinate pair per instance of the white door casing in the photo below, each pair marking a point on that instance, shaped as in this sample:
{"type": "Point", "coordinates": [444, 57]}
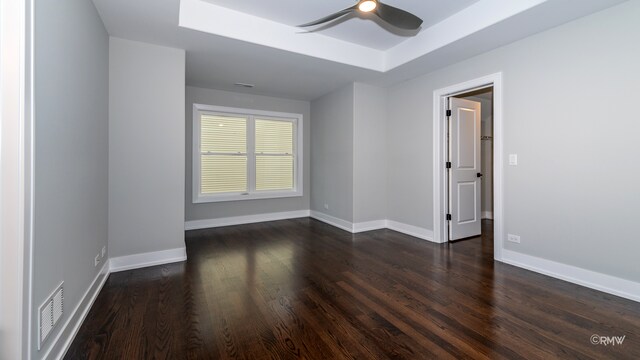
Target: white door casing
{"type": "Point", "coordinates": [465, 181]}
{"type": "Point", "coordinates": [440, 153]}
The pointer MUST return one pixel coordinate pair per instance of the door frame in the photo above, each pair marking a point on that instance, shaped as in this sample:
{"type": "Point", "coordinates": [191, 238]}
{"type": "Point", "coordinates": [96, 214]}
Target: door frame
{"type": "Point", "coordinates": [16, 174]}
{"type": "Point", "coordinates": [440, 228]}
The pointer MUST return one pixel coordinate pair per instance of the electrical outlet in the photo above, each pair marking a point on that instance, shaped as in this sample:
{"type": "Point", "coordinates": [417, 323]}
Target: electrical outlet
{"type": "Point", "coordinates": [326, 206]}
{"type": "Point", "coordinates": [513, 238]}
{"type": "Point", "coordinates": [104, 251]}
{"type": "Point", "coordinates": [96, 261]}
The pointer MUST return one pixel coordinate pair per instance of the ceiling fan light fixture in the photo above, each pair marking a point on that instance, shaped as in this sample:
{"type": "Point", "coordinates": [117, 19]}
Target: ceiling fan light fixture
{"type": "Point", "coordinates": [367, 5]}
{"type": "Point", "coordinates": [387, 13]}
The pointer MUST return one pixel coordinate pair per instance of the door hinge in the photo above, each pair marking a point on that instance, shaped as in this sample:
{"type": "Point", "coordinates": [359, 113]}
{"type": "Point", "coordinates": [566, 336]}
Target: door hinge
{"type": "Point", "coordinates": [448, 217]}
{"type": "Point", "coordinates": [448, 112]}
{"type": "Point", "coordinates": [448, 164]}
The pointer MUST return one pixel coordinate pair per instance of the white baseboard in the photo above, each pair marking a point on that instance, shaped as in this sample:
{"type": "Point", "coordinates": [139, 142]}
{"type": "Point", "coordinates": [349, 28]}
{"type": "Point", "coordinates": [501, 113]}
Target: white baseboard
{"type": "Point", "coordinates": [248, 219]}
{"type": "Point", "coordinates": [65, 337]}
{"type": "Point", "coordinates": [415, 231]}
{"type": "Point", "coordinates": [412, 230]}
{"type": "Point", "coordinates": [332, 220]}
{"type": "Point", "coordinates": [487, 215]}
{"type": "Point", "coordinates": [137, 261]}
{"type": "Point", "coordinates": [329, 219]}
{"type": "Point", "coordinates": [610, 284]}
{"type": "Point", "coordinates": [369, 226]}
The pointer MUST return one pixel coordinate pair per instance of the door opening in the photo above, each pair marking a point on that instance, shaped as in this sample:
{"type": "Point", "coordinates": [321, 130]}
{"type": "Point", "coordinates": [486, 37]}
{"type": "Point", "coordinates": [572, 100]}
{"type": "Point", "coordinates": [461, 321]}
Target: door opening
{"type": "Point", "coordinates": [491, 201]}
{"type": "Point", "coordinates": [469, 164]}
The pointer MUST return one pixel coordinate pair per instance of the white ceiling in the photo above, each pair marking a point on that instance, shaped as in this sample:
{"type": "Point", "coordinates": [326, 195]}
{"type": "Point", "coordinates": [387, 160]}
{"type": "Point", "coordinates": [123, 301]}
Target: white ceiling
{"type": "Point", "coordinates": [354, 29]}
{"type": "Point", "coordinates": [253, 41]}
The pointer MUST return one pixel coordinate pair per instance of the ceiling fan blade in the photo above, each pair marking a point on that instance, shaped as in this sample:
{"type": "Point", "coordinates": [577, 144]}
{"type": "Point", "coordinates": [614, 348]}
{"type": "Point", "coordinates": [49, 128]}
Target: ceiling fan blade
{"type": "Point", "coordinates": [330, 17]}
{"type": "Point", "coordinates": [397, 17]}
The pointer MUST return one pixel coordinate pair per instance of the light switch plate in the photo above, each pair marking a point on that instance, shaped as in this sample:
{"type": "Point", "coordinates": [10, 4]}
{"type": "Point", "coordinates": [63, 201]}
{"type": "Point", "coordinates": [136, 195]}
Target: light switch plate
{"type": "Point", "coordinates": [513, 159]}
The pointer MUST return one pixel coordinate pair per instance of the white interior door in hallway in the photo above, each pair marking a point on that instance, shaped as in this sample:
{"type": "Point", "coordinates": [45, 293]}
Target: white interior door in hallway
{"type": "Point", "coordinates": [464, 165]}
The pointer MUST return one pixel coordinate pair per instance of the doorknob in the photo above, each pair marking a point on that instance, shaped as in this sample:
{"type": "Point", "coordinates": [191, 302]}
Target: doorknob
{"type": "Point", "coordinates": [479, 175]}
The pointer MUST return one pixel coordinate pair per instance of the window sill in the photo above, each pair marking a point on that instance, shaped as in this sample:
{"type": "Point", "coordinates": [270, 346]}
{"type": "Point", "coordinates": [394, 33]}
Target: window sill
{"type": "Point", "coordinates": [201, 199]}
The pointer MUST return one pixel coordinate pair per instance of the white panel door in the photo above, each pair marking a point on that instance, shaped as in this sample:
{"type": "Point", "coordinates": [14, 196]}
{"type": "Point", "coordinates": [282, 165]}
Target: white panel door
{"type": "Point", "coordinates": [465, 178]}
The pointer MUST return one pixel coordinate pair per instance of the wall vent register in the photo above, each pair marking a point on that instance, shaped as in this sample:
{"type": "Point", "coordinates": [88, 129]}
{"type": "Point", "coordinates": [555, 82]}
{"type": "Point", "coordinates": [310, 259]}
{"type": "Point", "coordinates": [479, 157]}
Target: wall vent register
{"type": "Point", "coordinates": [50, 312]}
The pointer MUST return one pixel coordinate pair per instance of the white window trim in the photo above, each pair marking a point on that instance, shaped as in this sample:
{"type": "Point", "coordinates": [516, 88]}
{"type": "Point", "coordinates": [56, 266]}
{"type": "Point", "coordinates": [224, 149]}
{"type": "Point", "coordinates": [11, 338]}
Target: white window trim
{"type": "Point", "coordinates": [252, 194]}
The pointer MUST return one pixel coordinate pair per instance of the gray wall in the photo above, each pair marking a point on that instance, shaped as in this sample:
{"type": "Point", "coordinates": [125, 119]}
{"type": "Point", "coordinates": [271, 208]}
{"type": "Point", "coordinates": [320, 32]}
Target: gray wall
{"type": "Point", "coordinates": [71, 152]}
{"type": "Point", "coordinates": [573, 196]}
{"type": "Point", "coordinates": [409, 154]}
{"type": "Point", "coordinates": [332, 153]}
{"type": "Point", "coordinates": [204, 211]}
{"type": "Point", "coordinates": [348, 153]}
{"type": "Point", "coordinates": [369, 153]}
{"type": "Point", "coordinates": [146, 147]}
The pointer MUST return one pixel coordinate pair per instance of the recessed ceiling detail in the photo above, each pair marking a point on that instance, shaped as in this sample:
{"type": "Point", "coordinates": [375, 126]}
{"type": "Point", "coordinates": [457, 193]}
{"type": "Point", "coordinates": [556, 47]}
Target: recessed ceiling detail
{"type": "Point", "coordinates": [230, 40]}
{"type": "Point", "coordinates": [208, 17]}
{"type": "Point", "coordinates": [352, 28]}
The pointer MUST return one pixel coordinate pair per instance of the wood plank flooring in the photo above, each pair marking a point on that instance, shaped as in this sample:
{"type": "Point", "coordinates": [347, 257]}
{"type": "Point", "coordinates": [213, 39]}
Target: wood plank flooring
{"type": "Point", "coordinates": [301, 289]}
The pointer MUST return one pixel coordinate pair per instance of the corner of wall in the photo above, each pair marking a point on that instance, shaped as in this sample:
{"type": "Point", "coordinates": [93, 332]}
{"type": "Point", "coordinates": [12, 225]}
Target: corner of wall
{"type": "Point", "coordinates": [145, 217]}
{"type": "Point", "coordinates": [138, 261]}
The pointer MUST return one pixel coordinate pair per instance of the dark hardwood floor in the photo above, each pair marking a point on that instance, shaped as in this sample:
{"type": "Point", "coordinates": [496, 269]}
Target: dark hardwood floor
{"type": "Point", "coordinates": [303, 289]}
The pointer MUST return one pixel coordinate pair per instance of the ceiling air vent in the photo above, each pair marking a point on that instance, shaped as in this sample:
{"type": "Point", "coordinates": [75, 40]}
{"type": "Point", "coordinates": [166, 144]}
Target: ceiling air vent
{"type": "Point", "coordinates": [50, 313]}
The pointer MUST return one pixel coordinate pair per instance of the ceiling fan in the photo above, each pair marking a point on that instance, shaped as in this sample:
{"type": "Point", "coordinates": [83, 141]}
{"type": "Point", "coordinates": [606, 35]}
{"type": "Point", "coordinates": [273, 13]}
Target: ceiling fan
{"type": "Point", "coordinates": [392, 15]}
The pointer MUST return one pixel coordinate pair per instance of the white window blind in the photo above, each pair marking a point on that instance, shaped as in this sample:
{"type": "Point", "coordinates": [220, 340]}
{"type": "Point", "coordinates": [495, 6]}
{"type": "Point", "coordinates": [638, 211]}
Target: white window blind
{"type": "Point", "coordinates": [244, 154]}
{"type": "Point", "coordinates": [223, 154]}
{"type": "Point", "coordinates": [274, 154]}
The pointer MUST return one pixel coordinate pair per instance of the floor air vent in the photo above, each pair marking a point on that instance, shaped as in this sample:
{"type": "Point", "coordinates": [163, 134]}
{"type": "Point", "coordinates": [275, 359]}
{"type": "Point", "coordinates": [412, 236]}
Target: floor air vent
{"type": "Point", "coordinates": [50, 313]}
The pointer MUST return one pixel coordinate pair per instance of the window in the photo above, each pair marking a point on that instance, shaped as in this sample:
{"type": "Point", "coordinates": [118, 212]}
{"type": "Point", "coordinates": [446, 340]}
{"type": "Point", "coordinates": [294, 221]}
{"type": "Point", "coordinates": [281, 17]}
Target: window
{"type": "Point", "coordinates": [242, 154]}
